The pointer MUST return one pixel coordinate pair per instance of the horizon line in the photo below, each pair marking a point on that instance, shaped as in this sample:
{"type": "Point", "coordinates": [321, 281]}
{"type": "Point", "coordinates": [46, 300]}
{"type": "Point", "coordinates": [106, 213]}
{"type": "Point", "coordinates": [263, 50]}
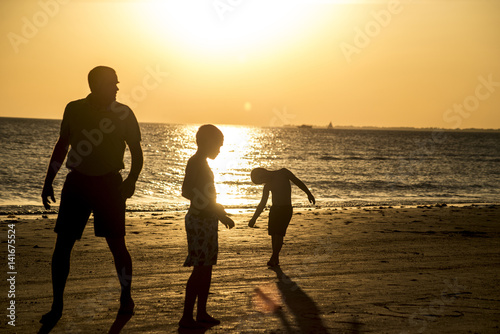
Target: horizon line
{"type": "Point", "coordinates": [294, 126]}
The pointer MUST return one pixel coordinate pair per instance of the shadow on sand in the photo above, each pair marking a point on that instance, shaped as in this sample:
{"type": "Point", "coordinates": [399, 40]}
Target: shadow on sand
{"type": "Point", "coordinates": [306, 313]}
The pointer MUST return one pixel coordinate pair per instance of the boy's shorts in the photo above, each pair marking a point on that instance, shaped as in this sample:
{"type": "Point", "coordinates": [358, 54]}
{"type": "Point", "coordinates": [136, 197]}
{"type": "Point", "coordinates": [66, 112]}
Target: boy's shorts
{"type": "Point", "coordinates": [83, 194]}
{"type": "Point", "coordinates": [279, 218]}
{"type": "Point", "coordinates": [202, 238]}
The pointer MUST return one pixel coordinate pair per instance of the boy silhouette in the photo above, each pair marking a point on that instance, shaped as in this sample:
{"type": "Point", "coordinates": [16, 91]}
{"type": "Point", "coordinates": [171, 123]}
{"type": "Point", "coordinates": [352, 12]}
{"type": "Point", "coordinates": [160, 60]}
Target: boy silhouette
{"type": "Point", "coordinates": [278, 183]}
{"type": "Point", "coordinates": [201, 226]}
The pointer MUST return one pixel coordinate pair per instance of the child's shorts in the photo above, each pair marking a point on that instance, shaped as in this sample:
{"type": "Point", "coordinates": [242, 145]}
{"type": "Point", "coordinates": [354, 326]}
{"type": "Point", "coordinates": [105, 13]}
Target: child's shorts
{"type": "Point", "coordinates": [202, 240]}
{"type": "Point", "coordinates": [279, 218]}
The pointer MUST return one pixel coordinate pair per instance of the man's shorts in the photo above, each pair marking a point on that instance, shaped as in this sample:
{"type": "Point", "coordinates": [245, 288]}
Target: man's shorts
{"type": "Point", "coordinates": [279, 218]}
{"type": "Point", "coordinates": [83, 194]}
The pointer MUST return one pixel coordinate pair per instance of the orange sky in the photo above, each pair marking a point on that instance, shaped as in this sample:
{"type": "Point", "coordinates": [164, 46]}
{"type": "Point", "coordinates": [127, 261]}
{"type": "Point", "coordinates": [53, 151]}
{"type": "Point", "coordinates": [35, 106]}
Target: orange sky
{"type": "Point", "coordinates": [260, 62]}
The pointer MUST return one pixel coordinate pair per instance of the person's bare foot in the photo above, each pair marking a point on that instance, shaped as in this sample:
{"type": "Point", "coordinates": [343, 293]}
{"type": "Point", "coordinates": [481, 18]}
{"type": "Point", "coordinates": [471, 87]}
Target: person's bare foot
{"type": "Point", "coordinates": [207, 319]}
{"type": "Point", "coordinates": [51, 318]}
{"type": "Point", "coordinates": [189, 323]}
{"type": "Point", "coordinates": [273, 262]}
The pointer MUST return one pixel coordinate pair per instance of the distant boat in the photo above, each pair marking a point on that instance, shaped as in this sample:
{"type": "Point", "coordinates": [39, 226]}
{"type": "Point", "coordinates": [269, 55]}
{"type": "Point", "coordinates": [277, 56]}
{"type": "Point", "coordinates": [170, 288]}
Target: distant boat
{"type": "Point", "coordinates": [304, 126]}
{"type": "Point", "coordinates": [330, 126]}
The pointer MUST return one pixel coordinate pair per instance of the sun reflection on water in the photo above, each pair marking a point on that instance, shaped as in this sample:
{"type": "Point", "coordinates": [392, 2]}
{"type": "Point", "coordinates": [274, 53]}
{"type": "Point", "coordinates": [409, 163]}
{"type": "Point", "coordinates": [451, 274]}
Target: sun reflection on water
{"type": "Point", "coordinates": [232, 167]}
{"type": "Point", "coordinates": [167, 148]}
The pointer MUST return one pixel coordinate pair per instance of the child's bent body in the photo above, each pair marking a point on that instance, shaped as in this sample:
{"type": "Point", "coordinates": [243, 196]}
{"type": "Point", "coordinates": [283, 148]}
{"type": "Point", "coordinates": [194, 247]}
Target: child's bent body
{"type": "Point", "coordinates": [278, 184]}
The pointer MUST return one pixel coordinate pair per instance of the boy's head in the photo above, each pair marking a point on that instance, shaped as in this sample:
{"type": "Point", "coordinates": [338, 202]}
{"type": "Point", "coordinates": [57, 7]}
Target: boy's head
{"type": "Point", "coordinates": [209, 139]}
{"type": "Point", "coordinates": [258, 175]}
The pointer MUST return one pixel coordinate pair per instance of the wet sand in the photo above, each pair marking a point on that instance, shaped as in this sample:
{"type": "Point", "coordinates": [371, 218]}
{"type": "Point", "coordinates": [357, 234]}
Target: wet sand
{"type": "Point", "coordinates": [378, 270]}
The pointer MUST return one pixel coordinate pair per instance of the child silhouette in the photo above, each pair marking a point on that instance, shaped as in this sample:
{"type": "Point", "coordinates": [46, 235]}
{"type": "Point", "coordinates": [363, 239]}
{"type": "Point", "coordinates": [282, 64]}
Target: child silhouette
{"type": "Point", "coordinates": [278, 183]}
{"type": "Point", "coordinates": [201, 226]}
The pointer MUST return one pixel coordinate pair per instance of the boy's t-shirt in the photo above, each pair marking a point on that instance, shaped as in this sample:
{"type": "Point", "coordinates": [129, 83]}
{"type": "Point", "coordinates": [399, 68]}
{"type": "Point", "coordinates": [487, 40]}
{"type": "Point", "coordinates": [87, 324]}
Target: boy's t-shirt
{"type": "Point", "coordinates": [199, 185]}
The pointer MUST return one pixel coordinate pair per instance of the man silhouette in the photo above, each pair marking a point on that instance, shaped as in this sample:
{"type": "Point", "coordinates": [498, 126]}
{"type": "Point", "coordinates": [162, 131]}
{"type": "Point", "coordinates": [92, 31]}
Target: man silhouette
{"type": "Point", "coordinates": [97, 128]}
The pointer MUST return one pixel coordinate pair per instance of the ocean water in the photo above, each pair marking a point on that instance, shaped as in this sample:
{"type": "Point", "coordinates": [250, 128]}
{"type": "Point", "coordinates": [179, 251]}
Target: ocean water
{"type": "Point", "coordinates": [342, 167]}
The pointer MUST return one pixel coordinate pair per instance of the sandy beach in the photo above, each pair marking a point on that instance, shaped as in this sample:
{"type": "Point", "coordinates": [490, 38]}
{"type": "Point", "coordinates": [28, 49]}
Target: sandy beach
{"type": "Point", "coordinates": [358, 270]}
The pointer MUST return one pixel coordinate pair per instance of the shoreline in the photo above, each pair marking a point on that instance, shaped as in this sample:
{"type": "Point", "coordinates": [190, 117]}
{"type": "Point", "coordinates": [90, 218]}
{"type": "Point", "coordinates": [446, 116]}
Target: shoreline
{"type": "Point", "coordinates": [32, 210]}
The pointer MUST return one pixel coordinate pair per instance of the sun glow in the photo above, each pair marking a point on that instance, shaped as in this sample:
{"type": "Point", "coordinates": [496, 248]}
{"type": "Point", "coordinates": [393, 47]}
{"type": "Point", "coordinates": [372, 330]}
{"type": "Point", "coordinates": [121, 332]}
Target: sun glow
{"type": "Point", "coordinates": [218, 26]}
{"type": "Point", "coordinates": [231, 167]}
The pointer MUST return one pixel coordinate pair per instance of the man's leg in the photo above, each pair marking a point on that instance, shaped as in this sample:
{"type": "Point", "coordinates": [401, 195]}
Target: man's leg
{"type": "Point", "coordinates": [60, 271]}
{"type": "Point", "coordinates": [123, 265]}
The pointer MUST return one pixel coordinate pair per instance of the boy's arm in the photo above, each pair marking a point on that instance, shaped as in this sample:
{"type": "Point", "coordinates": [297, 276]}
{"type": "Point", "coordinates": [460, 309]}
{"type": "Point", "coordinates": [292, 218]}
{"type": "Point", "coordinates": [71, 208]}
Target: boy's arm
{"type": "Point", "coordinates": [301, 185]}
{"type": "Point", "coordinates": [198, 199]}
{"type": "Point", "coordinates": [219, 211]}
{"type": "Point", "coordinates": [222, 215]}
{"type": "Point", "coordinates": [189, 181]}
{"type": "Point", "coordinates": [260, 207]}
{"type": "Point", "coordinates": [56, 160]}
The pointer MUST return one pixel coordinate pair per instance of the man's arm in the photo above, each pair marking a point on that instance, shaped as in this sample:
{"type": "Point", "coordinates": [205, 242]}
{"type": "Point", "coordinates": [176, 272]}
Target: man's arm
{"type": "Point", "coordinates": [260, 207]}
{"type": "Point", "coordinates": [56, 161]}
{"type": "Point", "coordinates": [301, 185]}
{"type": "Point", "coordinates": [128, 185]}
